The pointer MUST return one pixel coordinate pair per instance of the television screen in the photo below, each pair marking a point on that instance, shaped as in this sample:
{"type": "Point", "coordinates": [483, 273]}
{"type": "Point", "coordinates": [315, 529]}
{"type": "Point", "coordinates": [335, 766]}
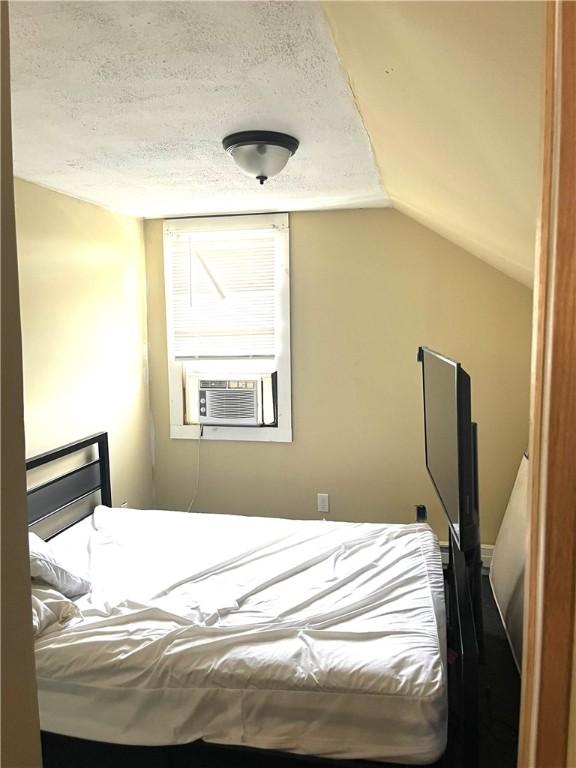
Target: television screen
{"type": "Point", "coordinates": [450, 442]}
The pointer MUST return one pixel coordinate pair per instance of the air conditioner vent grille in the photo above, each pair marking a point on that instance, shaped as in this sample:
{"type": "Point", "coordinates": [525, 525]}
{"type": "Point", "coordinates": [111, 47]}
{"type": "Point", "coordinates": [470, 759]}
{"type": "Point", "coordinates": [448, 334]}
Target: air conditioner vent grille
{"type": "Point", "coordinates": [232, 405]}
{"type": "Point", "coordinates": [232, 401]}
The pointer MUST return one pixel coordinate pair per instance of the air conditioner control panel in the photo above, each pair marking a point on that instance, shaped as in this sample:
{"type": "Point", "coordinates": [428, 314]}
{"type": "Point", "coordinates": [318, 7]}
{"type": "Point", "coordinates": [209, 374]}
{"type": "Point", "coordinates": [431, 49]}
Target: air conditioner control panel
{"type": "Point", "coordinates": [227, 384]}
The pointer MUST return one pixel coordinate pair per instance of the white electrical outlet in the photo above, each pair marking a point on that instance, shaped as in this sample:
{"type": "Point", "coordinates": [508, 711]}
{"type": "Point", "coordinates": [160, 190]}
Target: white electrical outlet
{"type": "Point", "coordinates": [323, 503]}
{"type": "Point", "coordinates": [124, 504]}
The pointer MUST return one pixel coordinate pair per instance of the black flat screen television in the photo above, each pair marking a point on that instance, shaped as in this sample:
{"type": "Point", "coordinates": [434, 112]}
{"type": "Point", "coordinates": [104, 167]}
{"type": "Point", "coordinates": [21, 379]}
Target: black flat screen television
{"type": "Point", "coordinates": [450, 439]}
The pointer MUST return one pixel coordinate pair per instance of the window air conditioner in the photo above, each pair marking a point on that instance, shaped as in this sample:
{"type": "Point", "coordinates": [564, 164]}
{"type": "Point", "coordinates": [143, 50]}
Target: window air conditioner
{"type": "Point", "coordinates": [230, 401]}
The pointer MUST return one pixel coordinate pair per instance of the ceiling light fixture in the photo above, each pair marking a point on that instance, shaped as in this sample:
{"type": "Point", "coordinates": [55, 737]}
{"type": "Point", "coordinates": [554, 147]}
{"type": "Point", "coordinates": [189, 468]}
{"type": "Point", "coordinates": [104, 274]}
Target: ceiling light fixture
{"type": "Point", "coordinates": [260, 154]}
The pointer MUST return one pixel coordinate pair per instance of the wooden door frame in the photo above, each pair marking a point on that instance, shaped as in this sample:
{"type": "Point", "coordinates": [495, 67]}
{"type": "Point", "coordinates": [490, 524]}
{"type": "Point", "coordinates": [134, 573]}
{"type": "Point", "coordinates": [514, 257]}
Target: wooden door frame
{"type": "Point", "coordinates": [551, 573]}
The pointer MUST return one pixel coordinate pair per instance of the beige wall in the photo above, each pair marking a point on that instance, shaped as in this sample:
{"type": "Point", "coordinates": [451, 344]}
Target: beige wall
{"type": "Point", "coordinates": [19, 727]}
{"type": "Point", "coordinates": [82, 293]}
{"type": "Point", "coordinates": [368, 287]}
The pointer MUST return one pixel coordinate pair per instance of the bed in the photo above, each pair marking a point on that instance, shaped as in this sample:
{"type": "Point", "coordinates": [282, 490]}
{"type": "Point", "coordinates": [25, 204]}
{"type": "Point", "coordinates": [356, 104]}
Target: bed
{"type": "Point", "coordinates": [315, 638]}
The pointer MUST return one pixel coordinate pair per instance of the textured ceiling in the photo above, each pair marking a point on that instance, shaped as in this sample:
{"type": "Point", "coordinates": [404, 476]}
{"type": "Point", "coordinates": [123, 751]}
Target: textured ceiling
{"type": "Point", "coordinates": [451, 95]}
{"type": "Point", "coordinates": [125, 104]}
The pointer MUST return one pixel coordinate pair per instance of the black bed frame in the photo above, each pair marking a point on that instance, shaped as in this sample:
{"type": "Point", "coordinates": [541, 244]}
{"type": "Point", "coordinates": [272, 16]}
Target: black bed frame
{"type": "Point", "coordinates": [464, 634]}
{"type": "Point", "coordinates": [61, 492]}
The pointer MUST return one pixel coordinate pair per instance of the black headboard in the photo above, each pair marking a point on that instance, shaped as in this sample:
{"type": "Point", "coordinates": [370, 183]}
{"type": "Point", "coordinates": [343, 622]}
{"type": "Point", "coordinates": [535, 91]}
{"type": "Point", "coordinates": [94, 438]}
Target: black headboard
{"type": "Point", "coordinates": [55, 495]}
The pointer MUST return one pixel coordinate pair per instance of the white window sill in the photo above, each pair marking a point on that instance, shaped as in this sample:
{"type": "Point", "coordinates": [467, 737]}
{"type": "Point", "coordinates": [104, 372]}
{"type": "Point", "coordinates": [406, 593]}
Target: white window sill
{"type": "Point", "coordinates": [241, 434]}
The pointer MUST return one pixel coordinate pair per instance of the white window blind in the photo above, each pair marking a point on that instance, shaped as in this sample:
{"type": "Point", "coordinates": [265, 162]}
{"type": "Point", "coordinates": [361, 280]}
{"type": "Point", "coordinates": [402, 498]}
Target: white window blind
{"type": "Point", "coordinates": [223, 292]}
{"type": "Point", "coordinates": [227, 288]}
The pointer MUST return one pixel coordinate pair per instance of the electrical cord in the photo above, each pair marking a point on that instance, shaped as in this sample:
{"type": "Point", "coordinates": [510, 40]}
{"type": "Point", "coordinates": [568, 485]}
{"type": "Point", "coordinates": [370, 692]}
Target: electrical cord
{"type": "Point", "coordinates": [197, 470]}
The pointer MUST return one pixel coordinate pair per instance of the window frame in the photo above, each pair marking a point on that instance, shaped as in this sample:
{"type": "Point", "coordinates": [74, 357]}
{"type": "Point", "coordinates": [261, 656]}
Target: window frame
{"type": "Point", "coordinates": [178, 429]}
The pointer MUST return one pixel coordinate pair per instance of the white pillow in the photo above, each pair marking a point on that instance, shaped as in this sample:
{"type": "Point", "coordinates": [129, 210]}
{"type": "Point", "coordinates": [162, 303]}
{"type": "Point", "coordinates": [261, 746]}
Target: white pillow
{"type": "Point", "coordinates": [45, 565]}
{"type": "Point", "coordinates": [50, 606]}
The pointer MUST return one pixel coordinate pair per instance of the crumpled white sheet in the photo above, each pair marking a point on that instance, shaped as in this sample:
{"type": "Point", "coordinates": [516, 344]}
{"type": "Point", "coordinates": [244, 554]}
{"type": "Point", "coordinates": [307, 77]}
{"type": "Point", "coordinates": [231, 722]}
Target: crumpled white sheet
{"type": "Point", "coordinates": [310, 636]}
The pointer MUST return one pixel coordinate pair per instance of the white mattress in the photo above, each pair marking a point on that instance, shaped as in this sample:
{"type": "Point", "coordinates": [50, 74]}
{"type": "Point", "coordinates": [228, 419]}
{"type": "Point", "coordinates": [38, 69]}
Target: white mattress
{"type": "Point", "coordinates": [313, 637]}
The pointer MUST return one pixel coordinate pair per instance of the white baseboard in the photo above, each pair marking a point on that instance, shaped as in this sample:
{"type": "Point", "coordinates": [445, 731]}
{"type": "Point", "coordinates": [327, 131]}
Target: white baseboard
{"type": "Point", "coordinates": [486, 552]}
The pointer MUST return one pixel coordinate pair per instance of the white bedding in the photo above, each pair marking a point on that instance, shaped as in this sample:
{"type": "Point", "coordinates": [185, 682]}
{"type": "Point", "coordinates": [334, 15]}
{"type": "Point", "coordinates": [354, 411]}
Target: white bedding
{"type": "Point", "coordinates": [314, 637]}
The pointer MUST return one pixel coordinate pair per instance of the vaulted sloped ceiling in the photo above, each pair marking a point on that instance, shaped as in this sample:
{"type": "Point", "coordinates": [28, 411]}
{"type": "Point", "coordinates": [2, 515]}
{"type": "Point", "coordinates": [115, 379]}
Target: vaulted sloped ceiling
{"type": "Point", "coordinates": [451, 95]}
{"type": "Point", "coordinates": [126, 103]}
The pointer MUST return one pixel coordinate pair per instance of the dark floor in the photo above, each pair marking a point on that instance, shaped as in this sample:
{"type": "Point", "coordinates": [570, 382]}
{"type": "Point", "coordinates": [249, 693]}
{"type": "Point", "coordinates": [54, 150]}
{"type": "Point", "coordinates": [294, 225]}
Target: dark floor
{"type": "Point", "coordinates": [500, 698]}
{"type": "Point", "coordinates": [499, 710]}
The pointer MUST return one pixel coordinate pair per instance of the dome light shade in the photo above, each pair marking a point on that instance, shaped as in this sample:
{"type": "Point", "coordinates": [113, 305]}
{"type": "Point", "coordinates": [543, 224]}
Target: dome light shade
{"type": "Point", "coordinates": [260, 154]}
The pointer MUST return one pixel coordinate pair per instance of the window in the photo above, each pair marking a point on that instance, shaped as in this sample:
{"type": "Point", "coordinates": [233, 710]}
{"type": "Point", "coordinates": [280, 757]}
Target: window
{"type": "Point", "coordinates": [228, 327]}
